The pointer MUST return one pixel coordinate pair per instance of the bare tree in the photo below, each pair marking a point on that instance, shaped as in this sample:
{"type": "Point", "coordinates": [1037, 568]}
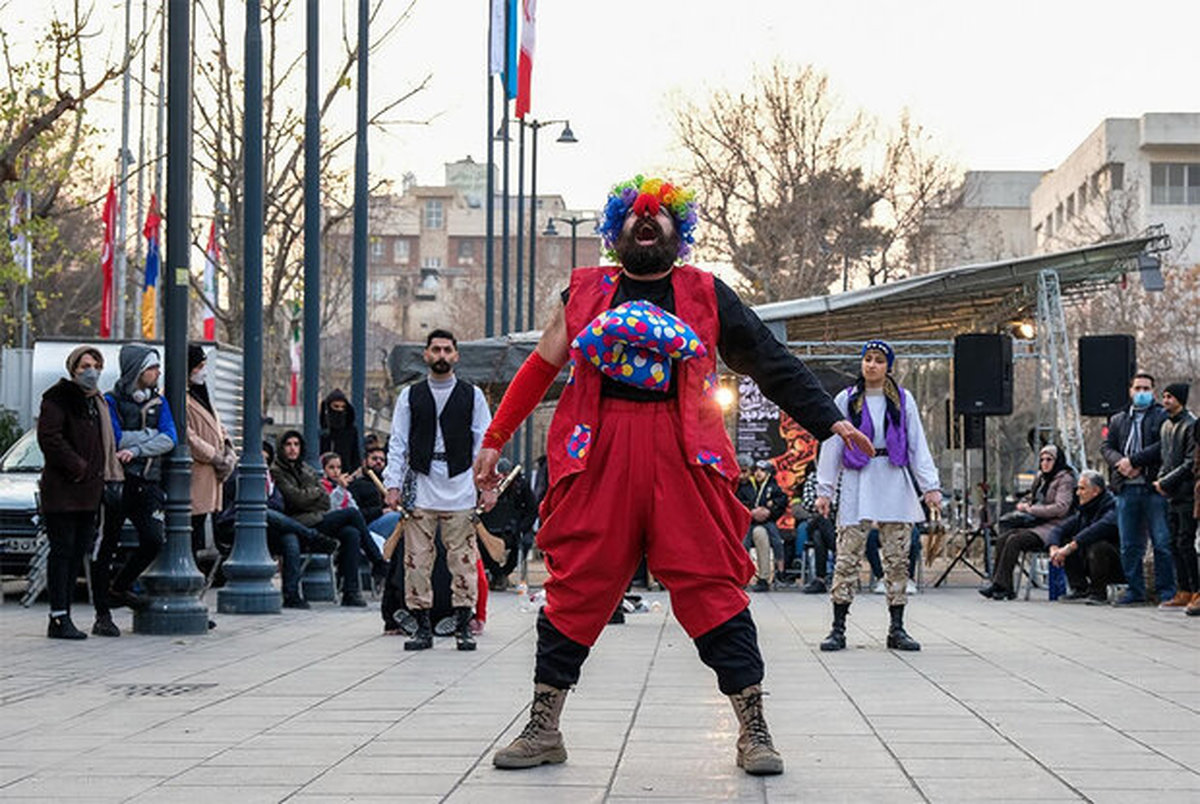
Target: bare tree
{"type": "Point", "coordinates": [788, 190]}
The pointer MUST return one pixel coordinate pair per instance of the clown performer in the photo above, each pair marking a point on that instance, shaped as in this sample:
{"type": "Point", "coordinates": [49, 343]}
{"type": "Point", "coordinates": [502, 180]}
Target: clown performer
{"type": "Point", "coordinates": [640, 463]}
{"type": "Point", "coordinates": [879, 490]}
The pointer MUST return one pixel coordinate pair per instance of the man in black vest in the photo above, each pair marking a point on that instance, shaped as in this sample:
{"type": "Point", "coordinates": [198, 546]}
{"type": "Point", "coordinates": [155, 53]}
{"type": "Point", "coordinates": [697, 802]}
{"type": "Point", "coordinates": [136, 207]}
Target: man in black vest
{"type": "Point", "coordinates": [437, 428]}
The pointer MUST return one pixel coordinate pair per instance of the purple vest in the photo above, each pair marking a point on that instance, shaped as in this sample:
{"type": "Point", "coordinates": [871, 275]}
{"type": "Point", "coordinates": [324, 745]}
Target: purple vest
{"type": "Point", "coordinates": [896, 438]}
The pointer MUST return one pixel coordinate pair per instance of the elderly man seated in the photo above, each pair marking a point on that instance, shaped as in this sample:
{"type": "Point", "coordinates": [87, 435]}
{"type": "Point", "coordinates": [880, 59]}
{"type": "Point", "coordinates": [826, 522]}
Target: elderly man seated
{"type": "Point", "coordinates": [1087, 544]}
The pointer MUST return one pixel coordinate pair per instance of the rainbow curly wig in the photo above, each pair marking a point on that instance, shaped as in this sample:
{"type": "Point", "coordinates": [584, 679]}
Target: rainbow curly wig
{"type": "Point", "coordinates": [639, 195]}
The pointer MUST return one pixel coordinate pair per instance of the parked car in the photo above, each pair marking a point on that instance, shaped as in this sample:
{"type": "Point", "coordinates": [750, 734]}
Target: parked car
{"type": "Point", "coordinates": [20, 469]}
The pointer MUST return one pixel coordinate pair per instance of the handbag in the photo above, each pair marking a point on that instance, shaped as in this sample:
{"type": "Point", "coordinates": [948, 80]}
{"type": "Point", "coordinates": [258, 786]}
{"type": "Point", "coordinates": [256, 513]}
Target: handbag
{"type": "Point", "coordinates": [1018, 519]}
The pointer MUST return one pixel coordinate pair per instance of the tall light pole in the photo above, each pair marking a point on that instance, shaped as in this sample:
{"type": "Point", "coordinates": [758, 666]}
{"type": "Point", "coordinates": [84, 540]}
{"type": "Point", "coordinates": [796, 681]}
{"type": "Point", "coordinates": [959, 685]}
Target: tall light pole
{"type": "Point", "coordinates": [172, 581]}
{"type": "Point", "coordinates": [312, 231]}
{"type": "Point", "coordinates": [574, 223]}
{"type": "Point", "coordinates": [568, 137]}
{"type": "Point", "coordinates": [358, 339]}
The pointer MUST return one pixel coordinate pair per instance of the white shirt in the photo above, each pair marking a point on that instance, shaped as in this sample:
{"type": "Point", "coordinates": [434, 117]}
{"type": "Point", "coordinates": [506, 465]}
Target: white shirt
{"type": "Point", "coordinates": [436, 491]}
{"type": "Point", "coordinates": [879, 491]}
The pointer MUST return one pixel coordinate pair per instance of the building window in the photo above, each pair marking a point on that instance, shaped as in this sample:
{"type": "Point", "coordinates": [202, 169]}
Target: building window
{"type": "Point", "coordinates": [1116, 175]}
{"type": "Point", "coordinates": [433, 213]}
{"type": "Point", "coordinates": [1174, 183]}
{"type": "Point", "coordinates": [1096, 184]}
{"type": "Point", "coordinates": [1071, 205]}
{"type": "Point", "coordinates": [466, 252]}
{"type": "Point", "coordinates": [1049, 226]}
{"type": "Point", "coordinates": [400, 251]}
{"type": "Point", "coordinates": [1058, 216]}
{"type": "Point", "coordinates": [380, 290]}
{"type": "Point", "coordinates": [431, 262]}
{"type": "Point", "coordinates": [1082, 196]}
{"type": "Point", "coordinates": [427, 288]}
{"type": "Point", "coordinates": [376, 250]}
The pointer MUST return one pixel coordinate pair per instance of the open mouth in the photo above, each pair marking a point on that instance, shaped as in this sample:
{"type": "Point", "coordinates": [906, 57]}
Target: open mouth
{"type": "Point", "coordinates": [646, 233]}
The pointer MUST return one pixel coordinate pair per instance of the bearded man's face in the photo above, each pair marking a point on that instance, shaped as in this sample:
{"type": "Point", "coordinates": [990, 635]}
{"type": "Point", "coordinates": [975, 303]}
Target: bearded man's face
{"type": "Point", "coordinates": [648, 244]}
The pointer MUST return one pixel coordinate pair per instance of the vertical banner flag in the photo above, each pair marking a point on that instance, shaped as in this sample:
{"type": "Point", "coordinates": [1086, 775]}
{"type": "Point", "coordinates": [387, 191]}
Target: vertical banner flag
{"type": "Point", "coordinates": [496, 34]}
{"type": "Point", "coordinates": [18, 238]}
{"type": "Point", "coordinates": [525, 65]}
{"type": "Point", "coordinates": [212, 255]}
{"type": "Point", "coordinates": [511, 18]}
{"type": "Point", "coordinates": [150, 284]}
{"type": "Point", "coordinates": [295, 355]}
{"type": "Point", "coordinates": [106, 261]}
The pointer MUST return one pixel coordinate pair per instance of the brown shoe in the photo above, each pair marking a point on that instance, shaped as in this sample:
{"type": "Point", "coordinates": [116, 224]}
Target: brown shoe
{"type": "Point", "coordinates": [540, 743]}
{"type": "Point", "coordinates": [1180, 601]}
{"type": "Point", "coordinates": [756, 753]}
{"type": "Point", "coordinates": [1193, 608]}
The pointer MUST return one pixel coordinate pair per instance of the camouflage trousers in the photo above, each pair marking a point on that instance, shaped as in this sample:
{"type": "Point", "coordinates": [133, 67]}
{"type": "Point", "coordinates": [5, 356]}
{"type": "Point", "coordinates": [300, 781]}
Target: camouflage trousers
{"type": "Point", "coordinates": [458, 536]}
{"type": "Point", "coordinates": [894, 541]}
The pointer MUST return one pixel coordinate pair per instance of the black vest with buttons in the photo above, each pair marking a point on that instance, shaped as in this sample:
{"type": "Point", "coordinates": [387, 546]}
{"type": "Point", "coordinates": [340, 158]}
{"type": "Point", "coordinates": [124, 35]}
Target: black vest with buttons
{"type": "Point", "coordinates": [455, 421]}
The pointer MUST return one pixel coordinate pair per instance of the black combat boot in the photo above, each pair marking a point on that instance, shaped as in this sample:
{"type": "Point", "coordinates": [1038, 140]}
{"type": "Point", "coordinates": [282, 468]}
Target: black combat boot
{"type": "Point", "coordinates": [423, 639]}
{"type": "Point", "coordinates": [462, 633]}
{"type": "Point", "coordinates": [837, 635]}
{"type": "Point", "coordinates": [897, 638]}
{"type": "Point", "coordinates": [61, 627]}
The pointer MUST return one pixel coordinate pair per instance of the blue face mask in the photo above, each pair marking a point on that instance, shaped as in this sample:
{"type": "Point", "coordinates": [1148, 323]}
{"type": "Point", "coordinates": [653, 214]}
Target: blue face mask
{"type": "Point", "coordinates": [1142, 399]}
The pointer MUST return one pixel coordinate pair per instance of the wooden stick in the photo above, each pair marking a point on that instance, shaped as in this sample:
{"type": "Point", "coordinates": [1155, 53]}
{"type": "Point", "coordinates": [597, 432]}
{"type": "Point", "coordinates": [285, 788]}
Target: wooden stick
{"type": "Point", "coordinates": [494, 545]}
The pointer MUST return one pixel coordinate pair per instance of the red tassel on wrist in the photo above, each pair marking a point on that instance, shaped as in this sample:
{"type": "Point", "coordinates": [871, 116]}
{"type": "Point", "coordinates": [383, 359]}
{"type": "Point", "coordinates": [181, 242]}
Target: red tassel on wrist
{"type": "Point", "coordinates": [526, 390]}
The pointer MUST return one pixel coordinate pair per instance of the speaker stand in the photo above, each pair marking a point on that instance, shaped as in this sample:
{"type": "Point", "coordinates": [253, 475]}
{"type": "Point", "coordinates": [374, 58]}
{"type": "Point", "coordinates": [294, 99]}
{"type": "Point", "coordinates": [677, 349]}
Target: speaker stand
{"type": "Point", "coordinates": [984, 532]}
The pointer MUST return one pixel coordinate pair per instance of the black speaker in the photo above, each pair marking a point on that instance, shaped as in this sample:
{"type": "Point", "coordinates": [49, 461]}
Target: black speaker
{"type": "Point", "coordinates": [1106, 366]}
{"type": "Point", "coordinates": [983, 374]}
{"type": "Point", "coordinates": [974, 431]}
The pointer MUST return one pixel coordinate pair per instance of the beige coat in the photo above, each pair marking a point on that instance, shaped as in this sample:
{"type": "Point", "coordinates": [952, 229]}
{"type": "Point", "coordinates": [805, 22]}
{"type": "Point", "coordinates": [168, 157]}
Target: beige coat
{"type": "Point", "coordinates": [206, 440]}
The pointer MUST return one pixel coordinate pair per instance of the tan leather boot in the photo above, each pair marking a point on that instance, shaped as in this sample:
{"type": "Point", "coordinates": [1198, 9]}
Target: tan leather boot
{"type": "Point", "coordinates": [756, 753]}
{"type": "Point", "coordinates": [540, 743]}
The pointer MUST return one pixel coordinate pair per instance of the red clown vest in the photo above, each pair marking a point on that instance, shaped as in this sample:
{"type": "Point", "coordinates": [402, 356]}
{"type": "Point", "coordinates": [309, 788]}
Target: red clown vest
{"type": "Point", "coordinates": [575, 419]}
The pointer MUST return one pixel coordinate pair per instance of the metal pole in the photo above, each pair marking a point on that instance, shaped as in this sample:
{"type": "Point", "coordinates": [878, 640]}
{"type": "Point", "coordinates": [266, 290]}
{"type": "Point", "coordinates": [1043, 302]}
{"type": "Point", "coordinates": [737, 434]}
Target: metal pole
{"type": "Point", "coordinates": [248, 572]}
{"type": "Point", "coordinates": [122, 170]}
{"type": "Point", "coordinates": [28, 262]}
{"type": "Point", "coordinates": [312, 234]}
{"type": "Point", "coordinates": [489, 290]}
{"type": "Point", "coordinates": [141, 157]}
{"type": "Point", "coordinates": [504, 307]}
{"type": "Point", "coordinates": [533, 210]}
{"type": "Point", "coordinates": [172, 582]}
{"type": "Point", "coordinates": [358, 340]}
{"type": "Point", "coordinates": [574, 223]}
{"type": "Point", "coordinates": [519, 287]}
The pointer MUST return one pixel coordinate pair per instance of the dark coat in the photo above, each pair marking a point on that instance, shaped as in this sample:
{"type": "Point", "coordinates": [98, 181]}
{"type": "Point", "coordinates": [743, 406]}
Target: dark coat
{"type": "Point", "coordinates": [769, 496]}
{"type": "Point", "coordinates": [1176, 448]}
{"type": "Point", "coordinates": [1113, 448]}
{"type": "Point", "coordinates": [368, 498]}
{"type": "Point", "coordinates": [304, 498]}
{"type": "Point", "coordinates": [515, 510]}
{"type": "Point", "coordinates": [340, 433]}
{"type": "Point", "coordinates": [1094, 522]}
{"type": "Point", "coordinates": [70, 435]}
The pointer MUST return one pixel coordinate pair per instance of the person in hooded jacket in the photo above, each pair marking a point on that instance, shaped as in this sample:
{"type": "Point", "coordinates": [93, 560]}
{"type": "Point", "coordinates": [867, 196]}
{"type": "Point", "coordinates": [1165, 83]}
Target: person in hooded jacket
{"type": "Point", "coordinates": [145, 433]}
{"type": "Point", "coordinates": [339, 431]}
{"type": "Point", "coordinates": [213, 457]}
{"type": "Point", "coordinates": [307, 501]}
{"type": "Point", "coordinates": [76, 437]}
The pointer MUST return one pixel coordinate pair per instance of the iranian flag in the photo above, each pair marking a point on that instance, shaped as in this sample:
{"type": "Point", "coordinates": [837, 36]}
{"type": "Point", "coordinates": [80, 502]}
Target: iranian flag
{"type": "Point", "coordinates": [525, 61]}
{"type": "Point", "coordinates": [295, 355]}
{"type": "Point", "coordinates": [212, 256]}
{"type": "Point", "coordinates": [106, 261]}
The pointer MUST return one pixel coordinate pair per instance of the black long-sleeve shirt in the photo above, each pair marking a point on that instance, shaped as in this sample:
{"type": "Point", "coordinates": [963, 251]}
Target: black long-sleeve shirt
{"type": "Point", "coordinates": [747, 347]}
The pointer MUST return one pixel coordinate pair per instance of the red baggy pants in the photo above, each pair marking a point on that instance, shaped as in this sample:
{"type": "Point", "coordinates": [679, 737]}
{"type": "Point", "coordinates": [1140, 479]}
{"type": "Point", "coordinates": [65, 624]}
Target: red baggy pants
{"type": "Point", "coordinates": [640, 496]}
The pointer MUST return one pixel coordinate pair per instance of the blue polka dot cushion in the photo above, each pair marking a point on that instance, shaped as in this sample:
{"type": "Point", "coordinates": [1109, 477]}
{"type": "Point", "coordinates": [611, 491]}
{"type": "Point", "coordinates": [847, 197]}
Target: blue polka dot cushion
{"type": "Point", "coordinates": [635, 343]}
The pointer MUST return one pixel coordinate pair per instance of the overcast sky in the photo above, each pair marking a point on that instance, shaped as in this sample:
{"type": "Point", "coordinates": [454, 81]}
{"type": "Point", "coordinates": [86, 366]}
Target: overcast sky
{"type": "Point", "coordinates": [1013, 85]}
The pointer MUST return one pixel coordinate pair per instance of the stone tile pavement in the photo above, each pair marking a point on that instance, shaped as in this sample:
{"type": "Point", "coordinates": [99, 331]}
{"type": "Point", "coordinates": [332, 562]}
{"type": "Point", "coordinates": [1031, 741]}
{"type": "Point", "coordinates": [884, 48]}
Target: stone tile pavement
{"type": "Point", "coordinates": [1008, 701]}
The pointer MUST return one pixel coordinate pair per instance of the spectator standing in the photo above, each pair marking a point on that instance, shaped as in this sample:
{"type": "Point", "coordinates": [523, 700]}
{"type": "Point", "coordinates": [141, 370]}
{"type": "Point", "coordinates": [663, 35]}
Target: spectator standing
{"type": "Point", "coordinates": [766, 503]}
{"type": "Point", "coordinates": [145, 433]}
{"type": "Point", "coordinates": [1176, 483]}
{"type": "Point", "coordinates": [75, 434]}
{"type": "Point", "coordinates": [882, 491]}
{"type": "Point", "coordinates": [1133, 457]}
{"type": "Point", "coordinates": [339, 430]}
{"type": "Point", "coordinates": [1087, 543]}
{"type": "Point", "coordinates": [213, 456]}
{"type": "Point", "coordinates": [1028, 529]}
{"type": "Point", "coordinates": [1193, 608]}
{"type": "Point", "coordinates": [437, 427]}
{"type": "Point", "coordinates": [307, 501]}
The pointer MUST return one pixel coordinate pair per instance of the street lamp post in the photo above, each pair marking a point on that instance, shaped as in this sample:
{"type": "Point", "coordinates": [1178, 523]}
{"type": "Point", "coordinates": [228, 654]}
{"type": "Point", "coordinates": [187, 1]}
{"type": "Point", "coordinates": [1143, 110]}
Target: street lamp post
{"type": "Point", "coordinates": [573, 222]}
{"type": "Point", "coordinates": [567, 136]}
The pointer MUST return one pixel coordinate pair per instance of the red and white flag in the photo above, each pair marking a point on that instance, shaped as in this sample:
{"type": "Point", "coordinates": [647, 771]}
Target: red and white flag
{"type": "Point", "coordinates": [106, 261]}
{"type": "Point", "coordinates": [525, 61]}
{"type": "Point", "coordinates": [294, 353]}
{"type": "Point", "coordinates": [212, 256]}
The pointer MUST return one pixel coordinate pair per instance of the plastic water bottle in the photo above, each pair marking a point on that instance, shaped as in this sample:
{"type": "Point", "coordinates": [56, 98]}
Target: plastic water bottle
{"type": "Point", "coordinates": [523, 603]}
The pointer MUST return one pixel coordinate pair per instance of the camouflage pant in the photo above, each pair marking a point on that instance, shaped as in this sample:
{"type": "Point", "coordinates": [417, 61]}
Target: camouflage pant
{"type": "Point", "coordinates": [894, 542]}
{"type": "Point", "coordinates": [458, 535]}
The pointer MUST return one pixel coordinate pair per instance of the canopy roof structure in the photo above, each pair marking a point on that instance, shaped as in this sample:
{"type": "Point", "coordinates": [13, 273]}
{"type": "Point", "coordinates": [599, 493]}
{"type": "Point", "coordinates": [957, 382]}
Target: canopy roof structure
{"type": "Point", "coordinates": [969, 298]}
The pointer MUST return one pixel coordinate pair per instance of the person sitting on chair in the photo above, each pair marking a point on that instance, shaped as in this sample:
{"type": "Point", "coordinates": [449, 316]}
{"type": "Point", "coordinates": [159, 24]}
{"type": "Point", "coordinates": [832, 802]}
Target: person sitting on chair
{"type": "Point", "coordinates": [767, 503]}
{"type": "Point", "coordinates": [1029, 527]}
{"type": "Point", "coordinates": [1088, 545]}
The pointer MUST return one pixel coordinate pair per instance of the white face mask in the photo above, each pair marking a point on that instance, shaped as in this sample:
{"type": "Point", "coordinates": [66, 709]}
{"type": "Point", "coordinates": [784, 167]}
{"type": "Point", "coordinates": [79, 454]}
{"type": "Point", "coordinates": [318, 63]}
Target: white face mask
{"type": "Point", "coordinates": [199, 375]}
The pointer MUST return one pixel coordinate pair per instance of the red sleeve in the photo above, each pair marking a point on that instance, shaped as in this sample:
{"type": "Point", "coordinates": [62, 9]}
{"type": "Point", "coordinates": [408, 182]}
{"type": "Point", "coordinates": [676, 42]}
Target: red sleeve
{"type": "Point", "coordinates": [526, 390]}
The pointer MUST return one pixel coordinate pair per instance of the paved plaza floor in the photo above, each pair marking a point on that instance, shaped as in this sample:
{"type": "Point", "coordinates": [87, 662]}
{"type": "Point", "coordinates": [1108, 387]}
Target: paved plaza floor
{"type": "Point", "coordinates": [1008, 701]}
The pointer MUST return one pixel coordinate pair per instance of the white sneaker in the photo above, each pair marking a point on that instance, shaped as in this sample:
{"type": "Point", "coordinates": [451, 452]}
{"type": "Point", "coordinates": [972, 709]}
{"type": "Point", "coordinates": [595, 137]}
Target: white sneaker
{"type": "Point", "coordinates": [910, 588]}
{"type": "Point", "coordinates": [880, 587]}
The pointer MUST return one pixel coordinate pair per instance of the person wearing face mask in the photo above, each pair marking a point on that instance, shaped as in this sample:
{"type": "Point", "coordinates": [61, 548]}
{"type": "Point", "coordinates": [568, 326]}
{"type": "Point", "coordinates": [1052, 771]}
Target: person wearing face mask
{"type": "Point", "coordinates": [1131, 450]}
{"type": "Point", "coordinates": [76, 437]}
{"type": "Point", "coordinates": [145, 433]}
{"type": "Point", "coordinates": [213, 456]}
{"type": "Point", "coordinates": [339, 432]}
